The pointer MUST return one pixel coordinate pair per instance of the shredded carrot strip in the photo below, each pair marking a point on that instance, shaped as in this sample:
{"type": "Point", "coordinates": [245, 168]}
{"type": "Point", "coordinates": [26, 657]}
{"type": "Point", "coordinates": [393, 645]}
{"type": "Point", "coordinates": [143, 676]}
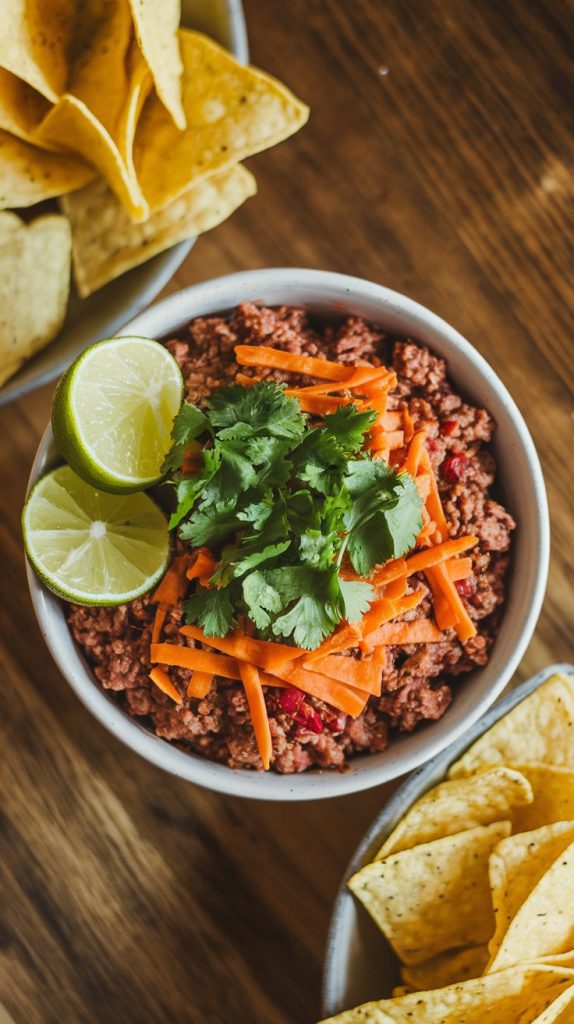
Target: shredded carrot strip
{"type": "Point", "coordinates": [191, 657]}
{"type": "Point", "coordinates": [421, 631]}
{"type": "Point", "coordinates": [408, 424]}
{"type": "Point", "coordinates": [164, 683]}
{"type": "Point", "coordinates": [386, 440]}
{"type": "Point", "coordinates": [202, 566]}
{"type": "Point", "coordinates": [338, 695]}
{"type": "Point", "coordinates": [442, 585]}
{"type": "Point", "coordinates": [345, 637]}
{"type": "Point", "coordinates": [160, 615]}
{"type": "Point", "coordinates": [262, 653]}
{"type": "Point", "coordinates": [396, 588]}
{"type": "Point", "coordinates": [321, 405]}
{"type": "Point", "coordinates": [258, 711]}
{"type": "Point", "coordinates": [199, 684]}
{"type": "Point", "coordinates": [355, 381]}
{"type": "Point", "coordinates": [376, 401]}
{"type": "Point", "coordinates": [363, 675]}
{"type": "Point", "coordinates": [172, 587]}
{"type": "Point", "coordinates": [459, 568]}
{"type": "Point", "coordinates": [247, 382]}
{"type": "Point", "coordinates": [415, 452]}
{"type": "Point", "coordinates": [276, 359]}
{"type": "Point", "coordinates": [385, 610]}
{"type": "Point", "coordinates": [434, 505]}
{"type": "Point", "coordinates": [422, 560]}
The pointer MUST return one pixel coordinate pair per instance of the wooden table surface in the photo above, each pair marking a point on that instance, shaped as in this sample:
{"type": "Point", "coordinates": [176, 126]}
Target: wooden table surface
{"type": "Point", "coordinates": [438, 161]}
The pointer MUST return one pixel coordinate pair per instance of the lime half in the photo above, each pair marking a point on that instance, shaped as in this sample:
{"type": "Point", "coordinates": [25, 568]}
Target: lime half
{"type": "Point", "coordinates": [113, 413]}
{"type": "Point", "coordinates": [91, 547]}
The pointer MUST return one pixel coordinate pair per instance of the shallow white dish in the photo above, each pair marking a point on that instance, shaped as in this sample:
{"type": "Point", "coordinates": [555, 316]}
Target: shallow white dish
{"type": "Point", "coordinates": [359, 963]}
{"type": "Point", "coordinates": [103, 313]}
{"type": "Point", "coordinates": [335, 295]}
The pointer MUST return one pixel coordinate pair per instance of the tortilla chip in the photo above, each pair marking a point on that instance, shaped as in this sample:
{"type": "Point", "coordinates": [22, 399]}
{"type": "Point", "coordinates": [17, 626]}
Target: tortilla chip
{"type": "Point", "coordinates": [71, 120]}
{"type": "Point", "coordinates": [29, 175]}
{"type": "Point", "coordinates": [553, 791]}
{"type": "Point", "coordinates": [516, 996]}
{"type": "Point", "coordinates": [541, 728]}
{"type": "Point", "coordinates": [447, 969]}
{"type": "Point", "coordinates": [106, 243]}
{"type": "Point", "coordinates": [544, 923]}
{"type": "Point", "coordinates": [107, 143]}
{"type": "Point", "coordinates": [457, 805]}
{"type": "Point", "coordinates": [99, 72]}
{"type": "Point", "coordinates": [560, 1011]}
{"type": "Point", "coordinates": [21, 107]}
{"type": "Point", "coordinates": [156, 31]}
{"type": "Point", "coordinates": [35, 38]}
{"type": "Point", "coordinates": [516, 866]}
{"type": "Point", "coordinates": [435, 896]}
{"type": "Point", "coordinates": [232, 111]}
{"type": "Point", "coordinates": [34, 261]}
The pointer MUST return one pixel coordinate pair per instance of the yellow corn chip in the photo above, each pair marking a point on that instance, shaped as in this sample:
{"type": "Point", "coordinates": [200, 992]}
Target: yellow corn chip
{"type": "Point", "coordinates": [156, 28]}
{"type": "Point", "coordinates": [447, 969]}
{"type": "Point", "coordinates": [232, 111]}
{"type": "Point", "coordinates": [107, 143]}
{"type": "Point", "coordinates": [457, 805]}
{"type": "Point", "coordinates": [21, 107]}
{"type": "Point", "coordinates": [434, 897]}
{"type": "Point", "coordinates": [29, 175]}
{"type": "Point", "coordinates": [553, 791]}
{"type": "Point", "coordinates": [516, 866]}
{"type": "Point", "coordinates": [35, 38]}
{"type": "Point", "coordinates": [541, 726]}
{"type": "Point", "coordinates": [560, 1011]}
{"type": "Point", "coordinates": [544, 923]}
{"type": "Point", "coordinates": [515, 996]}
{"type": "Point", "coordinates": [34, 262]}
{"type": "Point", "coordinates": [106, 243]}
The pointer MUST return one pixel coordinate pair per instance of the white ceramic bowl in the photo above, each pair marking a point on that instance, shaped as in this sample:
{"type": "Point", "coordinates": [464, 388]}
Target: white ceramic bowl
{"type": "Point", "coordinates": [360, 965]}
{"type": "Point", "coordinates": [102, 314]}
{"type": "Point", "coordinates": [334, 295]}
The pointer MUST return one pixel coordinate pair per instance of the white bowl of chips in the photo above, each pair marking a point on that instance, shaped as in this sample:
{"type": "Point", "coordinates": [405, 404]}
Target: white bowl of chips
{"type": "Point", "coordinates": [133, 132]}
{"type": "Point", "coordinates": [432, 847]}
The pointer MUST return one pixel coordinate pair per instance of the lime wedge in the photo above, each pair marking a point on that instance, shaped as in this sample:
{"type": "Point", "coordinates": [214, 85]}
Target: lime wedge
{"type": "Point", "coordinates": [91, 547]}
{"type": "Point", "coordinates": [113, 413]}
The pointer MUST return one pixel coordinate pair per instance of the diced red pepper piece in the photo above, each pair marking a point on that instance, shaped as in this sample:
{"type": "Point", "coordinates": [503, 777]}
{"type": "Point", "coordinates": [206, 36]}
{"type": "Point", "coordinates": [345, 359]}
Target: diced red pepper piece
{"type": "Point", "coordinates": [454, 467]}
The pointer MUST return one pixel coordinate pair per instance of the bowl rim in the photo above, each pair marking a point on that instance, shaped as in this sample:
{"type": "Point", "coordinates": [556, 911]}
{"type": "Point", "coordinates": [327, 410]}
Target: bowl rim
{"type": "Point", "coordinates": [423, 779]}
{"type": "Point", "coordinates": [168, 316]}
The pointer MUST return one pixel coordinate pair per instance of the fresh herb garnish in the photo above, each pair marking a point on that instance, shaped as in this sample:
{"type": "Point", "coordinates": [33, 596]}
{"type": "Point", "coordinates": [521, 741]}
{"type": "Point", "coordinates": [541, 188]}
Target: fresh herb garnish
{"type": "Point", "coordinates": [280, 503]}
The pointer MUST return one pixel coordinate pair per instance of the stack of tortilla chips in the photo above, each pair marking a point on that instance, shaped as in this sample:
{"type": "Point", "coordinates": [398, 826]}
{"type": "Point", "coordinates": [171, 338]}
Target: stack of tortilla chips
{"type": "Point", "coordinates": [474, 888]}
{"type": "Point", "coordinates": [137, 125]}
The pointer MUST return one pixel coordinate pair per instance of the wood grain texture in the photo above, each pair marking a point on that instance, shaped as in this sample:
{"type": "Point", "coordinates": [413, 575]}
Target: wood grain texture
{"type": "Point", "coordinates": [127, 896]}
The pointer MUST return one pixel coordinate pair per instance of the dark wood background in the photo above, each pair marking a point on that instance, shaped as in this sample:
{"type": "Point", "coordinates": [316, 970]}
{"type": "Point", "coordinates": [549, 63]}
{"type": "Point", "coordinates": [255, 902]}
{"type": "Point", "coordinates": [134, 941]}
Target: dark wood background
{"type": "Point", "coordinates": [438, 160]}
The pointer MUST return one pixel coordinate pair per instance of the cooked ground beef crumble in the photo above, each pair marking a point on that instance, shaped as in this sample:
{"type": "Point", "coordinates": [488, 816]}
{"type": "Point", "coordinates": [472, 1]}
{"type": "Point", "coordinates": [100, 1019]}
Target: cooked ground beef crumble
{"type": "Point", "coordinates": [417, 679]}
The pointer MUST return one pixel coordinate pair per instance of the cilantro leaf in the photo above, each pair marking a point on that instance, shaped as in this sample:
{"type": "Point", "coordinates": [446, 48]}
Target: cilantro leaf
{"type": "Point", "coordinates": [357, 598]}
{"type": "Point", "coordinates": [210, 525]}
{"type": "Point", "coordinates": [347, 426]}
{"type": "Point", "coordinates": [189, 423]}
{"type": "Point", "coordinates": [263, 406]}
{"type": "Point", "coordinates": [316, 612]}
{"type": "Point", "coordinates": [317, 548]}
{"type": "Point", "coordinates": [383, 521]}
{"type": "Point", "coordinates": [362, 474]}
{"type": "Point", "coordinates": [261, 599]}
{"type": "Point", "coordinates": [255, 558]}
{"type": "Point", "coordinates": [258, 512]}
{"type": "Point", "coordinates": [212, 610]}
{"type": "Point", "coordinates": [189, 488]}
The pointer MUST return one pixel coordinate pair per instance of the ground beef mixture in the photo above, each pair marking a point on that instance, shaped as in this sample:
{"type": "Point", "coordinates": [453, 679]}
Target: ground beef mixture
{"type": "Point", "coordinates": [417, 679]}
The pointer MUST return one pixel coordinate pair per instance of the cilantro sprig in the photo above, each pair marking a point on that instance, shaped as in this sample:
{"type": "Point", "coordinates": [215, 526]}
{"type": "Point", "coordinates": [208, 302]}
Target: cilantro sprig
{"type": "Point", "coordinates": [280, 503]}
